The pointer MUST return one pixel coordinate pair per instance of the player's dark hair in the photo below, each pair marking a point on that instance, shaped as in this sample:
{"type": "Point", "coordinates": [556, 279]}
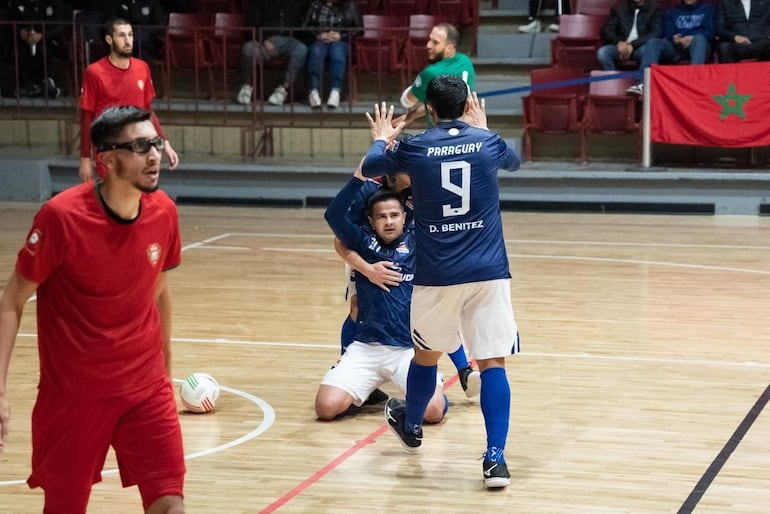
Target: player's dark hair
{"type": "Point", "coordinates": [452, 34]}
{"type": "Point", "coordinates": [447, 95]}
{"type": "Point", "coordinates": [109, 25]}
{"type": "Point", "coordinates": [383, 195]}
{"type": "Point", "coordinates": [108, 126]}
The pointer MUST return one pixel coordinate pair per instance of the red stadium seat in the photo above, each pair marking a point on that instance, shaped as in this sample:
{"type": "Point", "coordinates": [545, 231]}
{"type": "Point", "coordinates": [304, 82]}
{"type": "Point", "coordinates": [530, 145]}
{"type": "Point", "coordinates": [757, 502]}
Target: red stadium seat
{"type": "Point", "coordinates": [554, 110]}
{"type": "Point", "coordinates": [609, 110]}
{"type": "Point", "coordinates": [378, 49]}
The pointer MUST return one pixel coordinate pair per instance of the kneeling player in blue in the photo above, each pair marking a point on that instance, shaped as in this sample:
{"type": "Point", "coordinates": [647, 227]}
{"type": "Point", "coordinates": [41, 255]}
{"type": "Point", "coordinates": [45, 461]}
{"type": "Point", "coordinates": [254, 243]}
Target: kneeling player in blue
{"type": "Point", "coordinates": [381, 274]}
{"type": "Point", "coordinates": [382, 348]}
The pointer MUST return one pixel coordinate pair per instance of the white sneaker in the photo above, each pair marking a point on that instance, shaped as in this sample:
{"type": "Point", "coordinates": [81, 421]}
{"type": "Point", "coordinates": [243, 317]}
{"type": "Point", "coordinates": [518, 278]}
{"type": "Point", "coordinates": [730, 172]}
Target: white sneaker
{"type": "Point", "coordinates": [531, 27]}
{"type": "Point", "coordinates": [314, 98]}
{"type": "Point", "coordinates": [244, 95]}
{"type": "Point", "coordinates": [553, 27]}
{"type": "Point", "coordinates": [334, 99]}
{"type": "Point", "coordinates": [636, 89]}
{"type": "Point", "coordinates": [279, 96]}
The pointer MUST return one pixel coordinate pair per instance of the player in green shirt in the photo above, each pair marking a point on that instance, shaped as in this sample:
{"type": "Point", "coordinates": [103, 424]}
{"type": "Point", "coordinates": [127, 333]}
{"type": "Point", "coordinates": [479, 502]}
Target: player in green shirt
{"type": "Point", "coordinates": [444, 60]}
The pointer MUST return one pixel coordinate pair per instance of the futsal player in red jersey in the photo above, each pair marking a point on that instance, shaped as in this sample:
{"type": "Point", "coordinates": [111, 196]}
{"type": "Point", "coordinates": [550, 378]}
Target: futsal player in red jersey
{"type": "Point", "coordinates": [117, 79]}
{"type": "Point", "coordinates": [97, 256]}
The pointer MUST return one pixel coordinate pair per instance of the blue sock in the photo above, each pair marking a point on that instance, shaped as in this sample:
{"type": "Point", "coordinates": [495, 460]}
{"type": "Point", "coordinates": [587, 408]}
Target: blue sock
{"type": "Point", "coordinates": [496, 408]}
{"type": "Point", "coordinates": [420, 386]}
{"type": "Point", "coordinates": [459, 358]}
{"type": "Point", "coordinates": [347, 334]}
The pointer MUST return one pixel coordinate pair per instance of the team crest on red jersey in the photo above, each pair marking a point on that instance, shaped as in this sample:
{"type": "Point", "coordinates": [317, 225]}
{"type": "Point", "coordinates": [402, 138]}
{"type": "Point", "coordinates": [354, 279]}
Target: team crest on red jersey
{"type": "Point", "coordinates": [153, 254]}
{"type": "Point", "coordinates": [402, 248]}
{"type": "Point", "coordinates": [33, 240]}
{"type": "Point", "coordinates": [140, 84]}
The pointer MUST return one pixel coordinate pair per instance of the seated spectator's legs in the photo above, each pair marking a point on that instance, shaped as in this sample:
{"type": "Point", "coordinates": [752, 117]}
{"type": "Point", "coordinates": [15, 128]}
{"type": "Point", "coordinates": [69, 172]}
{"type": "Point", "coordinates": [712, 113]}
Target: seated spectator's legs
{"type": "Point", "coordinates": [608, 55]}
{"type": "Point", "coordinates": [733, 52]}
{"type": "Point", "coordinates": [251, 52]}
{"type": "Point", "coordinates": [338, 60]}
{"type": "Point", "coordinates": [698, 49]}
{"type": "Point", "coordinates": [315, 63]}
{"type": "Point", "coordinates": [291, 49]}
{"type": "Point", "coordinates": [658, 50]}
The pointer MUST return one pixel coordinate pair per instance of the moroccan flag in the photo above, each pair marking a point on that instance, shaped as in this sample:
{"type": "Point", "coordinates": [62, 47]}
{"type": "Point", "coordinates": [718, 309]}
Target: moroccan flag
{"type": "Point", "coordinates": [724, 105]}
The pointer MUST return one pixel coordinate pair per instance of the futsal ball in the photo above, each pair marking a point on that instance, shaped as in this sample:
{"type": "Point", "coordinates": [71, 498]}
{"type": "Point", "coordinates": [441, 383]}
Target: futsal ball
{"type": "Point", "coordinates": [199, 392]}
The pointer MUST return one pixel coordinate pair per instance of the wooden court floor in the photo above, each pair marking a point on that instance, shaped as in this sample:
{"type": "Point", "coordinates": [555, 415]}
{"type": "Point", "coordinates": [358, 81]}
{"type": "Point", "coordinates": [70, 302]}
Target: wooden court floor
{"type": "Point", "coordinates": [642, 385]}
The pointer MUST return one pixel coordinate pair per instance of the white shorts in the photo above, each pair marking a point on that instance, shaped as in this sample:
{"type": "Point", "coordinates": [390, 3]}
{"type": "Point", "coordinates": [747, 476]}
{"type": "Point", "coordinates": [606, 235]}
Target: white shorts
{"type": "Point", "coordinates": [481, 311]}
{"type": "Point", "coordinates": [366, 366]}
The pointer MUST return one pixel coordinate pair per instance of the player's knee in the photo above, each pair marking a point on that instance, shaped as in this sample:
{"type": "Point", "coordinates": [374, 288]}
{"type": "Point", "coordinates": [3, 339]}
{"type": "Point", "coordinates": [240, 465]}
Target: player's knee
{"type": "Point", "coordinates": [166, 505]}
{"type": "Point", "coordinates": [163, 495]}
{"type": "Point", "coordinates": [326, 409]}
{"type": "Point", "coordinates": [436, 410]}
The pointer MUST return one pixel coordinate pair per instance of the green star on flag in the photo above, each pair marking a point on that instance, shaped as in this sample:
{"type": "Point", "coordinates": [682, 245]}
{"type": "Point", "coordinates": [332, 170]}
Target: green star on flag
{"type": "Point", "coordinates": [732, 102]}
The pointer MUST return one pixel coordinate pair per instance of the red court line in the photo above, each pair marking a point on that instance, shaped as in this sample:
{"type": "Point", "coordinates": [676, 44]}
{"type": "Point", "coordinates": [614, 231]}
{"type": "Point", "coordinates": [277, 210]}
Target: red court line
{"type": "Point", "coordinates": [318, 475]}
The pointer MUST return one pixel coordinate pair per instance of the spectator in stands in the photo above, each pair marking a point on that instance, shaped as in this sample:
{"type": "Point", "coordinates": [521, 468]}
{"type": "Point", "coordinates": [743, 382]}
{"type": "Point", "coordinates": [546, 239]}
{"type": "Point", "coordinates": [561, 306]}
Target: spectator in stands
{"type": "Point", "coordinates": [331, 19]}
{"type": "Point", "coordinates": [444, 60]}
{"type": "Point", "coordinates": [630, 25]}
{"type": "Point", "coordinates": [144, 16]}
{"type": "Point", "coordinates": [535, 10]}
{"type": "Point", "coordinates": [118, 79]}
{"type": "Point", "coordinates": [742, 30]}
{"type": "Point", "coordinates": [688, 29]}
{"type": "Point", "coordinates": [279, 20]}
{"type": "Point", "coordinates": [91, 18]}
{"type": "Point", "coordinates": [41, 36]}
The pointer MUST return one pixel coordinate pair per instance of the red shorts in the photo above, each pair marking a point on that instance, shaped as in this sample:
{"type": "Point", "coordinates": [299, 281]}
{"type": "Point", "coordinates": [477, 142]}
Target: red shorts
{"type": "Point", "coordinates": [72, 434]}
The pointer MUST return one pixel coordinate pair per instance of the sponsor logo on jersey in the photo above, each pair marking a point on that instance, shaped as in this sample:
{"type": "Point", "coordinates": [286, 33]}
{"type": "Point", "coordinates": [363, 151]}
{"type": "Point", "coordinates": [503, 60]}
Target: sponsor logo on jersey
{"type": "Point", "coordinates": [402, 248]}
{"type": "Point", "coordinates": [153, 254]}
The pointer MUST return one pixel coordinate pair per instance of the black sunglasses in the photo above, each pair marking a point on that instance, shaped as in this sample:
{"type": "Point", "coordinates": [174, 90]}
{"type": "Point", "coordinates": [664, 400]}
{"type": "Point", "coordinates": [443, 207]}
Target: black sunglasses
{"type": "Point", "coordinates": [140, 145]}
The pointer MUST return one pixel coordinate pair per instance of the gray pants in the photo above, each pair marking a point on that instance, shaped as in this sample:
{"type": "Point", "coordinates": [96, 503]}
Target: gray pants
{"type": "Point", "coordinates": [275, 48]}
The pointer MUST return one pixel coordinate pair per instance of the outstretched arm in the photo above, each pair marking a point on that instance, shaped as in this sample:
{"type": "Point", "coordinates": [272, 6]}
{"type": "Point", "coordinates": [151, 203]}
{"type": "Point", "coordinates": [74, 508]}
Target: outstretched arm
{"type": "Point", "coordinates": [12, 302]}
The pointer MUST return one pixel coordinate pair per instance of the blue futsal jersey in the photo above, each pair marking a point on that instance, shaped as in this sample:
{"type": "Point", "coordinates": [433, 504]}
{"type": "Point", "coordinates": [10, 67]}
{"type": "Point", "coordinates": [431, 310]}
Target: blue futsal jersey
{"type": "Point", "coordinates": [383, 317]}
{"type": "Point", "coordinates": [459, 230]}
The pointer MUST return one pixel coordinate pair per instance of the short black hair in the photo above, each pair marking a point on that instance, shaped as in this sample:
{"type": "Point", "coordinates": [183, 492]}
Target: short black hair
{"type": "Point", "coordinates": [109, 25]}
{"type": "Point", "coordinates": [383, 195]}
{"type": "Point", "coordinates": [110, 123]}
{"type": "Point", "coordinates": [447, 94]}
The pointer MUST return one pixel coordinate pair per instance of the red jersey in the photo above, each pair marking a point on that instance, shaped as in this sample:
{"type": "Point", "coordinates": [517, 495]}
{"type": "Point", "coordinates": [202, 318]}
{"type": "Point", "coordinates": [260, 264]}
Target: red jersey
{"type": "Point", "coordinates": [106, 85]}
{"type": "Point", "coordinates": [99, 329]}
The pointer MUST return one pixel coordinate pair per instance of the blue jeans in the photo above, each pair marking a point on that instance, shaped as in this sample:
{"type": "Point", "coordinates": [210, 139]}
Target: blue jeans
{"type": "Point", "coordinates": [609, 55]}
{"type": "Point", "coordinates": [656, 51]}
{"type": "Point", "coordinates": [666, 52]}
{"type": "Point", "coordinates": [337, 52]}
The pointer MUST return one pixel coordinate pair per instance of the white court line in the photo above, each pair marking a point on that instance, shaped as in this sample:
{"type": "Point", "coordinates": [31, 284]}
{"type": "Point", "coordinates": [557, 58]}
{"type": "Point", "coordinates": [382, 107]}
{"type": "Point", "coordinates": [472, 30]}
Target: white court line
{"type": "Point", "coordinates": [539, 241]}
{"type": "Point", "coordinates": [553, 355]}
{"type": "Point", "coordinates": [206, 241]}
{"type": "Point", "coordinates": [578, 258]}
{"type": "Point", "coordinates": [641, 262]}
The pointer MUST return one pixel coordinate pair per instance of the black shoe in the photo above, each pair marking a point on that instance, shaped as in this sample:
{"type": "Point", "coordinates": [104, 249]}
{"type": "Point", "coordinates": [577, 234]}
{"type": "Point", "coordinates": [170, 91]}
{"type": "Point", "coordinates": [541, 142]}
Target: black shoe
{"type": "Point", "coordinates": [378, 396]}
{"type": "Point", "coordinates": [496, 474]}
{"type": "Point", "coordinates": [395, 414]}
{"type": "Point", "coordinates": [470, 380]}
